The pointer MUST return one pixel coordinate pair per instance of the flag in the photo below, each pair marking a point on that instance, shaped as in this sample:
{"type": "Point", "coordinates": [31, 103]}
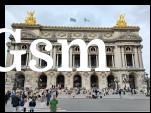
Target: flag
{"type": "Point", "coordinates": [86, 20]}
{"type": "Point", "coordinates": [72, 19]}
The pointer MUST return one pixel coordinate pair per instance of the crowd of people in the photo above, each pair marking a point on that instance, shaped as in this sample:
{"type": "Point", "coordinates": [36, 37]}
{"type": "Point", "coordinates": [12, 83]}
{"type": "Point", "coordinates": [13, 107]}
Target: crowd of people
{"type": "Point", "coordinates": [23, 99]}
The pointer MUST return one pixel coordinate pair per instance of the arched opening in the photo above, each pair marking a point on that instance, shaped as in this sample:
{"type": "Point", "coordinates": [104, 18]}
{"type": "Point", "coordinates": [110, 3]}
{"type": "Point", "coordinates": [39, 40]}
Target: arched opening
{"type": "Point", "coordinates": [111, 83]}
{"type": "Point", "coordinates": [93, 56]}
{"type": "Point", "coordinates": [19, 80]}
{"type": "Point", "coordinates": [42, 81]}
{"type": "Point", "coordinates": [132, 81]}
{"type": "Point", "coordinates": [75, 56]}
{"type": "Point", "coordinates": [60, 81]}
{"type": "Point", "coordinates": [77, 81]}
{"type": "Point", "coordinates": [94, 81]}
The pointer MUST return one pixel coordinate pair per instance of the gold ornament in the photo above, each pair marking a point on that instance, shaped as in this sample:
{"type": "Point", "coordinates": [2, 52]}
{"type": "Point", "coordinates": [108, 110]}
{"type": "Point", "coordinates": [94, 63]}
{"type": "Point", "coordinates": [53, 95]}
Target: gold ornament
{"type": "Point", "coordinates": [30, 19]}
{"type": "Point", "coordinates": [121, 22]}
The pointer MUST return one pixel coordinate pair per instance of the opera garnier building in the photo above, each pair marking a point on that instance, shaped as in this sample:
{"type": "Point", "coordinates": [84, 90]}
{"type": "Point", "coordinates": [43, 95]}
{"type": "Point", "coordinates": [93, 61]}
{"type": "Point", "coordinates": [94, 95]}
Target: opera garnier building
{"type": "Point", "coordinates": [123, 57]}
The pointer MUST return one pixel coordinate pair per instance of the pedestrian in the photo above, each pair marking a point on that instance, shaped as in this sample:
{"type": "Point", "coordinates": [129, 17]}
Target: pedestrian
{"type": "Point", "coordinates": [15, 101]}
{"type": "Point", "coordinates": [32, 105]}
{"type": "Point", "coordinates": [6, 98]}
{"type": "Point", "coordinates": [48, 96]}
{"type": "Point", "coordinates": [25, 104]}
{"type": "Point", "coordinates": [21, 103]}
{"type": "Point", "coordinates": [53, 104]}
{"type": "Point", "coordinates": [120, 91]}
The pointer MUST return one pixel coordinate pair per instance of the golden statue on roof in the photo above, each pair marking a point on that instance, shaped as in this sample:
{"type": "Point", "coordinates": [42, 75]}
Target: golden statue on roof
{"type": "Point", "coordinates": [30, 19]}
{"type": "Point", "coordinates": [121, 22]}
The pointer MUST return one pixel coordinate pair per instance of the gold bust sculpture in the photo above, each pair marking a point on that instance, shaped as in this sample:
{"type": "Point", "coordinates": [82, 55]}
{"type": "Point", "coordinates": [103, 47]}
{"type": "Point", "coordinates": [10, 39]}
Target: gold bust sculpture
{"type": "Point", "coordinates": [30, 19]}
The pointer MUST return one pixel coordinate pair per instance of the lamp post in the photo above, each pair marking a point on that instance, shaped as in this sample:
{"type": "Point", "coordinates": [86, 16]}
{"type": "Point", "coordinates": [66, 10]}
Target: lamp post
{"type": "Point", "coordinates": [147, 81]}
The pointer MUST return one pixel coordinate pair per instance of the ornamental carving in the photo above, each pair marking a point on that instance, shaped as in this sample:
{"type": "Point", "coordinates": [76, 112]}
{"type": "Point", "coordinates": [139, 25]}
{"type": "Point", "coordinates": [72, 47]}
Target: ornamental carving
{"type": "Point", "coordinates": [107, 35]}
{"type": "Point", "coordinates": [46, 34]}
{"type": "Point", "coordinates": [76, 34]}
{"type": "Point", "coordinates": [92, 35]}
{"type": "Point", "coordinates": [28, 35]}
{"type": "Point", "coordinates": [61, 34]}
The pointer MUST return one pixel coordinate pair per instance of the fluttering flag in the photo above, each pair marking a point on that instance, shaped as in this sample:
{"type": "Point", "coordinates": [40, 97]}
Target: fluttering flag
{"type": "Point", "coordinates": [72, 19]}
{"type": "Point", "coordinates": [86, 20]}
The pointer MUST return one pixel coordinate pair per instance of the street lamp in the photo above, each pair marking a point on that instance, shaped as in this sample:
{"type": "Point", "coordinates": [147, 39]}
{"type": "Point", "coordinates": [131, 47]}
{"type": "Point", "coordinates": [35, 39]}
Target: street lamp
{"type": "Point", "coordinates": [147, 81]}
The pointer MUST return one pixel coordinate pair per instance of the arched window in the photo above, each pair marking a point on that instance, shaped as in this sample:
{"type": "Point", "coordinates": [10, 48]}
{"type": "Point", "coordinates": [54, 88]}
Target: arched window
{"type": "Point", "coordinates": [132, 81]}
{"type": "Point", "coordinates": [94, 81]}
{"type": "Point", "coordinates": [60, 81]}
{"type": "Point", "coordinates": [42, 81]}
{"type": "Point", "coordinates": [19, 80]}
{"type": "Point", "coordinates": [111, 83]}
{"type": "Point", "coordinates": [24, 47]}
{"type": "Point", "coordinates": [77, 81]}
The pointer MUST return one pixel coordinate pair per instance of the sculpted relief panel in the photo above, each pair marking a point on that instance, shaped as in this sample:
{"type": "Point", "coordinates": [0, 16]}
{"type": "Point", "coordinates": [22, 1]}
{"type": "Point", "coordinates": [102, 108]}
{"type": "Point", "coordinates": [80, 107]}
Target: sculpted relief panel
{"type": "Point", "coordinates": [46, 34]}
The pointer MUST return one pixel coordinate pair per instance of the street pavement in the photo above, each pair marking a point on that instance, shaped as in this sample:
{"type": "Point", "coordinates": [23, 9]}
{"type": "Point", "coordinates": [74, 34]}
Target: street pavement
{"type": "Point", "coordinates": [111, 103]}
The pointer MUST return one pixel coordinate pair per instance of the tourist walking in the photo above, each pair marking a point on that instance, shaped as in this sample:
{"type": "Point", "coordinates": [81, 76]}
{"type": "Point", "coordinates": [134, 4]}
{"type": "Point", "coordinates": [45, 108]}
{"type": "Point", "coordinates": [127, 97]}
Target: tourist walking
{"type": "Point", "coordinates": [48, 96]}
{"type": "Point", "coordinates": [32, 105]}
{"type": "Point", "coordinates": [120, 91]}
{"type": "Point", "coordinates": [25, 104]}
{"type": "Point", "coordinates": [53, 104]}
{"type": "Point", "coordinates": [21, 103]}
{"type": "Point", "coordinates": [15, 102]}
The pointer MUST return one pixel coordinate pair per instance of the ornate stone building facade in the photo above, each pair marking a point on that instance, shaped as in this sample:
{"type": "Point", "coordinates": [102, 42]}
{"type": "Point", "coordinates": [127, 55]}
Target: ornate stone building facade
{"type": "Point", "coordinates": [123, 57]}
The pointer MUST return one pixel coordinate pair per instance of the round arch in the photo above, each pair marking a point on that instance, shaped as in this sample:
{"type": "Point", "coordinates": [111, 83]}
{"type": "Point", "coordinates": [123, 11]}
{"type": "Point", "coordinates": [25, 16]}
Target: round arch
{"type": "Point", "coordinates": [94, 81]}
{"type": "Point", "coordinates": [77, 81]}
{"type": "Point", "coordinates": [19, 80]}
{"type": "Point", "coordinates": [60, 81]}
{"type": "Point", "coordinates": [132, 80]}
{"type": "Point", "coordinates": [111, 82]}
{"type": "Point", "coordinates": [42, 81]}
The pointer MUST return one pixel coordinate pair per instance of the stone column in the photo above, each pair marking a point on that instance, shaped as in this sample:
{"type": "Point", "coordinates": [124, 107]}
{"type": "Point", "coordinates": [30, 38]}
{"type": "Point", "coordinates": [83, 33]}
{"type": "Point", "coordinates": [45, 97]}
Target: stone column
{"type": "Point", "coordinates": [71, 80]}
{"type": "Point", "coordinates": [112, 61]}
{"type": "Point", "coordinates": [100, 81]}
{"type": "Point", "coordinates": [54, 79]}
{"type": "Point", "coordinates": [105, 82]}
{"type": "Point", "coordinates": [66, 79]}
{"type": "Point", "coordinates": [133, 60]}
{"type": "Point", "coordinates": [73, 60]}
{"type": "Point", "coordinates": [118, 60]}
{"type": "Point", "coordinates": [54, 57]}
{"type": "Point", "coordinates": [90, 61]}
{"type": "Point", "coordinates": [140, 57]}
{"type": "Point", "coordinates": [8, 58]}
{"type": "Point", "coordinates": [88, 83]}
{"type": "Point", "coordinates": [136, 57]}
{"type": "Point", "coordinates": [97, 61]}
{"type": "Point", "coordinates": [27, 59]}
{"type": "Point", "coordinates": [49, 84]}
{"type": "Point", "coordinates": [57, 60]}
{"type": "Point", "coordinates": [83, 79]}
{"type": "Point", "coordinates": [70, 57]}
{"type": "Point", "coordinates": [34, 81]}
{"type": "Point", "coordinates": [123, 57]}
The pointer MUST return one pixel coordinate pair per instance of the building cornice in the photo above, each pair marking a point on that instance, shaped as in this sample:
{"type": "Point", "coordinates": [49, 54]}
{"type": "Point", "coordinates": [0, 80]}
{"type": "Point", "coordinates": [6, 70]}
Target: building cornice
{"type": "Point", "coordinates": [66, 28]}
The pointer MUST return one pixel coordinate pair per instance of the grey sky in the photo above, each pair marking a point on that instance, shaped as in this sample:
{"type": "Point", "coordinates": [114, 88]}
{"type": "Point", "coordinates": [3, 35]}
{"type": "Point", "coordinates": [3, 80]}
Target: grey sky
{"type": "Point", "coordinates": [99, 15]}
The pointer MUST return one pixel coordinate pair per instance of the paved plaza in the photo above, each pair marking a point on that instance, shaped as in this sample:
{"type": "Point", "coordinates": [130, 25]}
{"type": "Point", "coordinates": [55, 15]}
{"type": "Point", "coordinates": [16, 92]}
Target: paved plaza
{"type": "Point", "coordinates": [108, 103]}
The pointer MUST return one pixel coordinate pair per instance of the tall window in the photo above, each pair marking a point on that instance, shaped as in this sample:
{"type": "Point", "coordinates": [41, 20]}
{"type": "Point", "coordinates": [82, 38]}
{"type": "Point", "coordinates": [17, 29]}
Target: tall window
{"type": "Point", "coordinates": [59, 60]}
{"type": "Point", "coordinates": [109, 60]}
{"type": "Point", "coordinates": [43, 63]}
{"type": "Point", "coordinates": [77, 60]}
{"type": "Point", "coordinates": [93, 60]}
{"type": "Point", "coordinates": [129, 59]}
{"type": "Point", "coordinates": [23, 59]}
